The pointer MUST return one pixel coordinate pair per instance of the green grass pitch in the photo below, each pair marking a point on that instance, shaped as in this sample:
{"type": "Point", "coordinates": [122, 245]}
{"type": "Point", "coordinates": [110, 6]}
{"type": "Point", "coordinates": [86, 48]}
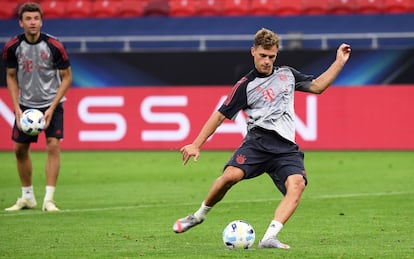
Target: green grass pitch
{"type": "Point", "coordinates": [123, 205]}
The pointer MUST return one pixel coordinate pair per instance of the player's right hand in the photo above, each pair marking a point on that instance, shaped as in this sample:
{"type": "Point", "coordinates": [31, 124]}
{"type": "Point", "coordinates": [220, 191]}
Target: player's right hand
{"type": "Point", "coordinates": [189, 151]}
{"type": "Point", "coordinates": [18, 114]}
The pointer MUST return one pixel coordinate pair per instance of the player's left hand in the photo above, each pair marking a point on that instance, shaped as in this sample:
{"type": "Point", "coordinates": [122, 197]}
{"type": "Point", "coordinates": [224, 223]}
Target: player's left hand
{"type": "Point", "coordinates": [48, 117]}
{"type": "Point", "coordinates": [343, 52]}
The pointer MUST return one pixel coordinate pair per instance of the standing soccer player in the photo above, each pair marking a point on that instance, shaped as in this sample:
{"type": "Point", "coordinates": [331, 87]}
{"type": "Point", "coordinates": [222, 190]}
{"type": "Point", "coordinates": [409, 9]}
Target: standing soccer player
{"type": "Point", "coordinates": [38, 75]}
{"type": "Point", "coordinates": [266, 94]}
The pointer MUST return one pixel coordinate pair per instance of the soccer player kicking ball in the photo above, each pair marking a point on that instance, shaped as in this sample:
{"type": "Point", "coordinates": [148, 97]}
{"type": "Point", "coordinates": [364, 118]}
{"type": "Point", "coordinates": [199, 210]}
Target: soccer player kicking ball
{"type": "Point", "coordinates": [266, 94]}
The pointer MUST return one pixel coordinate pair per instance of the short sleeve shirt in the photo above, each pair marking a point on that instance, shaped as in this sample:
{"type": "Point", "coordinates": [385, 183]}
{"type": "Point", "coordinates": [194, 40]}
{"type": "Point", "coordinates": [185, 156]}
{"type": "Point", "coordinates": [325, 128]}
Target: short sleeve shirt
{"type": "Point", "coordinates": [37, 66]}
{"type": "Point", "coordinates": [268, 100]}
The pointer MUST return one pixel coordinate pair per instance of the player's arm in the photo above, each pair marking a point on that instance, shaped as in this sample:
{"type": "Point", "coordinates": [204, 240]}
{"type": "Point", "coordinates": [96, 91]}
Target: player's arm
{"type": "Point", "coordinates": [66, 76]}
{"type": "Point", "coordinates": [322, 82]}
{"type": "Point", "coordinates": [13, 87]}
{"type": "Point", "coordinates": [193, 149]}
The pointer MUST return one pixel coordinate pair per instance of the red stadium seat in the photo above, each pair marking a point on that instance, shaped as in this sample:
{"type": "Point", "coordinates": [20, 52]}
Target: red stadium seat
{"type": "Point", "coordinates": [182, 7]}
{"type": "Point", "coordinates": [235, 7]}
{"type": "Point", "coordinates": [105, 8]}
{"type": "Point", "coordinates": [315, 7]}
{"type": "Point", "coordinates": [369, 6]}
{"type": "Point", "coordinates": [209, 7]}
{"type": "Point", "coordinates": [131, 8]}
{"type": "Point", "coordinates": [341, 6]}
{"type": "Point", "coordinates": [8, 9]}
{"type": "Point", "coordinates": [157, 8]}
{"type": "Point", "coordinates": [288, 7]}
{"type": "Point", "coordinates": [53, 8]}
{"type": "Point", "coordinates": [398, 6]}
{"type": "Point", "coordinates": [263, 7]}
{"type": "Point", "coordinates": [78, 8]}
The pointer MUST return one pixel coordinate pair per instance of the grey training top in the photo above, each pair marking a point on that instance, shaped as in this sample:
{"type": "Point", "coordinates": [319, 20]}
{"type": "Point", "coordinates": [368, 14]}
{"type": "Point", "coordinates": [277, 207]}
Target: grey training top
{"type": "Point", "coordinates": [38, 66]}
{"type": "Point", "coordinates": [267, 100]}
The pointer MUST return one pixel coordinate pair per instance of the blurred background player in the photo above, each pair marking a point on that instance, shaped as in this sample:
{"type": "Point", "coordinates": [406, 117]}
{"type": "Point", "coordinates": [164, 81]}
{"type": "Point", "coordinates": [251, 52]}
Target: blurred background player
{"type": "Point", "coordinates": [266, 94]}
{"type": "Point", "coordinates": [38, 75]}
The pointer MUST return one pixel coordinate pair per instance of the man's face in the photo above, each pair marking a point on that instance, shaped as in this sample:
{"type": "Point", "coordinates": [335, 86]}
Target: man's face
{"type": "Point", "coordinates": [31, 23]}
{"type": "Point", "coordinates": [264, 59]}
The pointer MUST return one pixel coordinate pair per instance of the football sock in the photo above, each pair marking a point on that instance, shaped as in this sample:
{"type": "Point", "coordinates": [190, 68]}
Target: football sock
{"type": "Point", "coordinates": [202, 211]}
{"type": "Point", "coordinates": [27, 192]}
{"type": "Point", "coordinates": [273, 229]}
{"type": "Point", "coordinates": [50, 191]}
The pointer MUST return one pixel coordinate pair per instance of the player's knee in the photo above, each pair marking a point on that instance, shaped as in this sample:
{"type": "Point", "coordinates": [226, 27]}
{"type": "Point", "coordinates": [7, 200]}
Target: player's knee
{"type": "Point", "coordinates": [21, 151]}
{"type": "Point", "coordinates": [296, 183]}
{"type": "Point", "coordinates": [232, 175]}
{"type": "Point", "coordinates": [53, 145]}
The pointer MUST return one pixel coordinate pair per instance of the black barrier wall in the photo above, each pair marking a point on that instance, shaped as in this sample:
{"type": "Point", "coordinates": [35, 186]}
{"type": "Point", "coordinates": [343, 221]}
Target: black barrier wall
{"type": "Point", "coordinates": [365, 67]}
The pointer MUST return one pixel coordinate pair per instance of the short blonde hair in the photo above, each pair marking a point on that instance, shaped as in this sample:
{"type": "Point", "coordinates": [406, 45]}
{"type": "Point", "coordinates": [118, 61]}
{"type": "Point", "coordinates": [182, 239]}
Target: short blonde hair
{"type": "Point", "coordinates": [266, 38]}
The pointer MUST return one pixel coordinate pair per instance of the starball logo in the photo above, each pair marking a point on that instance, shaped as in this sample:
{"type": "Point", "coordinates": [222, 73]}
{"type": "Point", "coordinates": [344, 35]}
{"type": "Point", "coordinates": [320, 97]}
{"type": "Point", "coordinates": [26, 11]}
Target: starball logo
{"type": "Point", "coordinates": [241, 159]}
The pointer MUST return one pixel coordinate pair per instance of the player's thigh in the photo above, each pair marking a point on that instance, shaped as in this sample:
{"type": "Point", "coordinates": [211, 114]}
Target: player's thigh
{"type": "Point", "coordinates": [55, 128]}
{"type": "Point", "coordinates": [283, 167]}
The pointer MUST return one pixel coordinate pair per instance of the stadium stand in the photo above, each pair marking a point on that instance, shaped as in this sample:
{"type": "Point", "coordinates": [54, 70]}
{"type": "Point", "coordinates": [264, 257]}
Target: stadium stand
{"type": "Point", "coordinates": [341, 7]}
{"type": "Point", "coordinates": [208, 25]}
{"type": "Point", "coordinates": [263, 8]}
{"type": "Point", "coordinates": [54, 8]}
{"type": "Point", "coordinates": [194, 8]}
{"type": "Point", "coordinates": [209, 7]}
{"type": "Point", "coordinates": [131, 8]}
{"type": "Point", "coordinates": [182, 8]}
{"type": "Point", "coordinates": [398, 6]}
{"type": "Point", "coordinates": [315, 7]}
{"type": "Point", "coordinates": [105, 8]}
{"type": "Point", "coordinates": [236, 7]}
{"type": "Point", "coordinates": [369, 6]}
{"type": "Point", "coordinates": [78, 8]}
{"type": "Point", "coordinates": [290, 7]}
{"type": "Point", "coordinates": [156, 8]}
{"type": "Point", "coordinates": [8, 9]}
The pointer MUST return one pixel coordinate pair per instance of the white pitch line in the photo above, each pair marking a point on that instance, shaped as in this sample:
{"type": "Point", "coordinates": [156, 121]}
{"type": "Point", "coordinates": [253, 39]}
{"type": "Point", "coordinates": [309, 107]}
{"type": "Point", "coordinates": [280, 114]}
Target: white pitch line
{"type": "Point", "coordinates": [332, 196]}
{"type": "Point", "coordinates": [350, 195]}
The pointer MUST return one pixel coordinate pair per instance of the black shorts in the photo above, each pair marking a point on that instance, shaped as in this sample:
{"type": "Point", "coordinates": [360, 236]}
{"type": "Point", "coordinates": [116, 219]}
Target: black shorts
{"type": "Point", "coordinates": [55, 129]}
{"type": "Point", "coordinates": [264, 151]}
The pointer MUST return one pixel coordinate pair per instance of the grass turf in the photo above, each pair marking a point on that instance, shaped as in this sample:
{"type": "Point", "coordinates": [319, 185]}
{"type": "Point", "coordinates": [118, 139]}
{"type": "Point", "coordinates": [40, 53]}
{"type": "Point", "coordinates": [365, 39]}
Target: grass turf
{"type": "Point", "coordinates": [123, 205]}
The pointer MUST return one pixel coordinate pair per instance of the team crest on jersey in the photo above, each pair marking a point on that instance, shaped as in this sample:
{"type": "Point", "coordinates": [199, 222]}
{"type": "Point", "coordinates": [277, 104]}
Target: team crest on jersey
{"type": "Point", "coordinates": [44, 55]}
{"type": "Point", "coordinates": [283, 77]}
{"type": "Point", "coordinates": [240, 159]}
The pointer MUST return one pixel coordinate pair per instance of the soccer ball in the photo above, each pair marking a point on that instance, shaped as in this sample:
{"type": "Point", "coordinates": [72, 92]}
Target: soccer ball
{"type": "Point", "coordinates": [32, 122]}
{"type": "Point", "coordinates": [238, 234]}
